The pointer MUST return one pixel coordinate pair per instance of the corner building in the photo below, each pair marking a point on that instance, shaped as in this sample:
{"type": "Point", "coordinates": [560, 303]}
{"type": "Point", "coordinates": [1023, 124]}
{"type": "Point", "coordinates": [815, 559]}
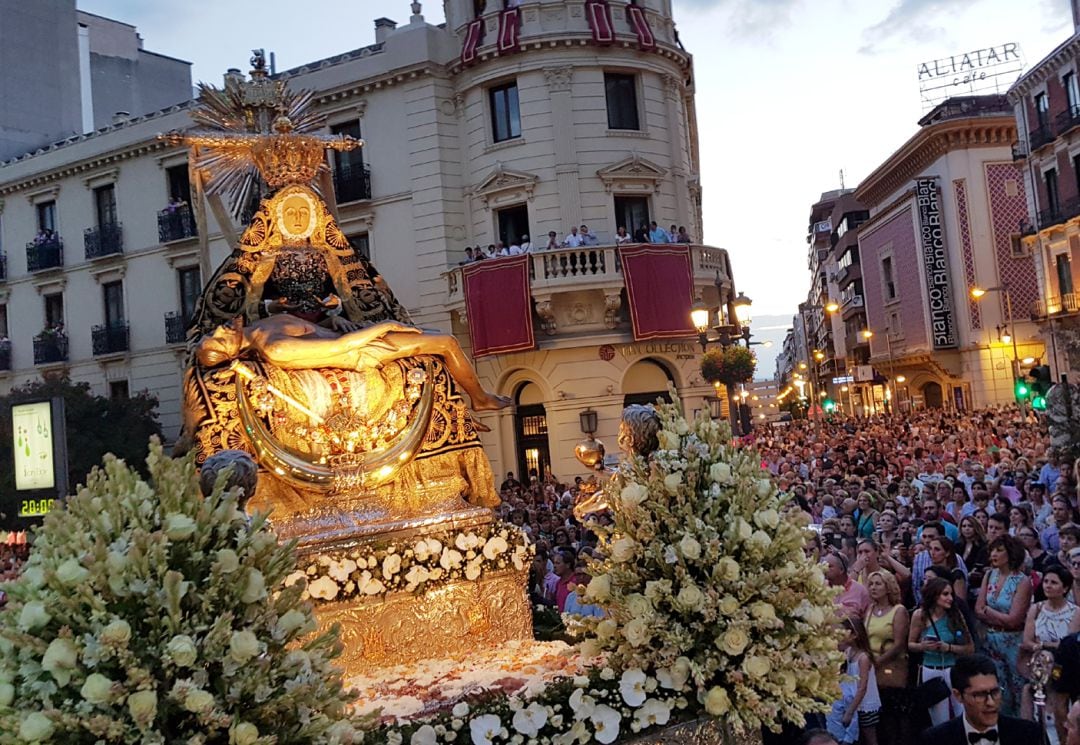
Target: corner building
{"type": "Point", "coordinates": [946, 212]}
{"type": "Point", "coordinates": [546, 124]}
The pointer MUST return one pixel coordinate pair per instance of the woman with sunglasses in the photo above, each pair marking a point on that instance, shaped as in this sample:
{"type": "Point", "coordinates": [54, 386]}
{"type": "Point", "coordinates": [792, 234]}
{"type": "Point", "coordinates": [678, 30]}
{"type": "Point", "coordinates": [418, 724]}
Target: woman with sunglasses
{"type": "Point", "coordinates": [939, 632]}
{"type": "Point", "coordinates": [1002, 606]}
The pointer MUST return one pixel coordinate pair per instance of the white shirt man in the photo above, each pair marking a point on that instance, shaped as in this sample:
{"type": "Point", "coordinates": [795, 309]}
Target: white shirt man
{"type": "Point", "coordinates": [526, 246]}
{"type": "Point", "coordinates": [574, 239]}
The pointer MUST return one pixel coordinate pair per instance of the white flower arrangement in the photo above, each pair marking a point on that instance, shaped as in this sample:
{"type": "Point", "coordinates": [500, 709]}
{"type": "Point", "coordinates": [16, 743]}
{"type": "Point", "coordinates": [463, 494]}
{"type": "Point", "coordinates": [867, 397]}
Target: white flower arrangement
{"type": "Point", "coordinates": [705, 582]}
{"type": "Point", "coordinates": [143, 615]}
{"type": "Point", "coordinates": [712, 610]}
{"type": "Point", "coordinates": [414, 566]}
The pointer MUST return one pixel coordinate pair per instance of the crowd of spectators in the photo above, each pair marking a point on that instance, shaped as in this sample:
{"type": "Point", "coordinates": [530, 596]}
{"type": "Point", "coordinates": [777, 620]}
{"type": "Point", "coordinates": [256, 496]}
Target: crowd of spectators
{"type": "Point", "coordinates": [945, 534]}
{"type": "Point", "coordinates": [577, 237]}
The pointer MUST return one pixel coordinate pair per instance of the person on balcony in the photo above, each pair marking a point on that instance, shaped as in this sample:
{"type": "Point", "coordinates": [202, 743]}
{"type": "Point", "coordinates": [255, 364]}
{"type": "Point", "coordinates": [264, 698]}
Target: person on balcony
{"type": "Point", "coordinates": [588, 238]}
{"type": "Point", "coordinates": [641, 235]}
{"type": "Point", "coordinates": [622, 237]}
{"type": "Point", "coordinates": [574, 239]}
{"type": "Point", "coordinates": [657, 234]}
{"type": "Point", "coordinates": [553, 241]}
{"type": "Point", "coordinates": [683, 236]}
{"type": "Point", "coordinates": [468, 256]}
{"type": "Point", "coordinates": [517, 249]}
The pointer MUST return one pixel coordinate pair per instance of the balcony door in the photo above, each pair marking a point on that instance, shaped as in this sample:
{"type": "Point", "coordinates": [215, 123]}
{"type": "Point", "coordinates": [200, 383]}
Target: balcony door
{"type": "Point", "coordinates": [1053, 202]}
{"type": "Point", "coordinates": [105, 205]}
{"type": "Point", "coordinates": [531, 429]}
{"type": "Point", "coordinates": [179, 183]}
{"type": "Point", "coordinates": [54, 310]}
{"type": "Point", "coordinates": [114, 304]}
{"type": "Point", "coordinates": [513, 224]}
{"type": "Point", "coordinates": [46, 216]}
{"type": "Point", "coordinates": [190, 287]}
{"type": "Point", "coordinates": [631, 213]}
{"type": "Point", "coordinates": [1064, 275]}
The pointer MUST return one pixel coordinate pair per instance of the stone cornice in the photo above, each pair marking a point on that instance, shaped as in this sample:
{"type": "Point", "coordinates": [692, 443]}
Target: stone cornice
{"type": "Point", "coordinates": [1044, 70]}
{"type": "Point", "coordinates": [92, 163]}
{"type": "Point", "coordinates": [929, 144]}
{"type": "Point", "coordinates": [359, 88]}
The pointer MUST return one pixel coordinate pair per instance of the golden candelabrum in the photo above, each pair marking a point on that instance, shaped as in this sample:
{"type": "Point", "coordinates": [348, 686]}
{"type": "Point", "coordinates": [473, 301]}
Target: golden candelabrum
{"type": "Point", "coordinates": [300, 355]}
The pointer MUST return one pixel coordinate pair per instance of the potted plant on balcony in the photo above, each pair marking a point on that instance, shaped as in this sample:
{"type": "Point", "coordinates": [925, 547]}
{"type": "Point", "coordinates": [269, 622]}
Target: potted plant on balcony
{"type": "Point", "coordinates": [728, 365]}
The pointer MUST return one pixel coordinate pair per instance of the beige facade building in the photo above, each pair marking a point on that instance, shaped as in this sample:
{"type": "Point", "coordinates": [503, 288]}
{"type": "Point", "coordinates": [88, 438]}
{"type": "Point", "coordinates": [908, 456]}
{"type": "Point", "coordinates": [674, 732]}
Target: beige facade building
{"type": "Point", "coordinates": [557, 131]}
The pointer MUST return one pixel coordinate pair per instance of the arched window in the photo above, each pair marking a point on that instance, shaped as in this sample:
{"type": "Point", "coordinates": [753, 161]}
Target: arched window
{"type": "Point", "coordinates": [646, 381]}
{"type": "Point", "coordinates": [530, 425]}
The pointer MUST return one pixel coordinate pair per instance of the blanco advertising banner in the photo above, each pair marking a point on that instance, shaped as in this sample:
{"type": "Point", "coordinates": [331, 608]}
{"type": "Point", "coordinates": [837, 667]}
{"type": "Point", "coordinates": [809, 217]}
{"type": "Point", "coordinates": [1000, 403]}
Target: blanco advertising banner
{"type": "Point", "coordinates": [33, 444]}
{"type": "Point", "coordinates": [935, 256]}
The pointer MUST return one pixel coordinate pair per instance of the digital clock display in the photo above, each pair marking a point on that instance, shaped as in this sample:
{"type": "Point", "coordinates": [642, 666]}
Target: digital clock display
{"type": "Point", "coordinates": [35, 507]}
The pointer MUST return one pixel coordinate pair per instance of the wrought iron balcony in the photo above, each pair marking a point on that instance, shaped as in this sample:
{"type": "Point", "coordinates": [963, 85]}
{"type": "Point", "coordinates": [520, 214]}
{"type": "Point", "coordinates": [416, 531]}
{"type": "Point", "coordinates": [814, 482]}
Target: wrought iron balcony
{"type": "Point", "coordinates": [5, 355]}
{"type": "Point", "coordinates": [44, 253]}
{"type": "Point", "coordinates": [1019, 151]}
{"type": "Point", "coordinates": [111, 339]}
{"type": "Point", "coordinates": [352, 184]}
{"type": "Point", "coordinates": [50, 346]}
{"type": "Point", "coordinates": [1067, 304]}
{"type": "Point", "coordinates": [176, 224]}
{"type": "Point", "coordinates": [104, 240]}
{"type": "Point", "coordinates": [176, 327]}
{"type": "Point", "coordinates": [1040, 136]}
{"type": "Point", "coordinates": [1059, 213]}
{"type": "Point", "coordinates": [1068, 119]}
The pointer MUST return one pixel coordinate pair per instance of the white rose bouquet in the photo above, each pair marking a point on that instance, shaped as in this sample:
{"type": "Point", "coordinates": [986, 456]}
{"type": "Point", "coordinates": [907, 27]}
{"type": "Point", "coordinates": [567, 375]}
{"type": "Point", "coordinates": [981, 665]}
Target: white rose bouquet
{"type": "Point", "coordinates": [143, 615]}
{"type": "Point", "coordinates": [705, 582]}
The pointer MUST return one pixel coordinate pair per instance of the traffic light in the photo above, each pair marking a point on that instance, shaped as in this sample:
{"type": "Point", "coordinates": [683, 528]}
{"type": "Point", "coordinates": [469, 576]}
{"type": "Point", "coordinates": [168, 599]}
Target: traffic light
{"type": "Point", "coordinates": [1021, 390]}
{"type": "Point", "coordinates": [829, 405]}
{"type": "Point", "coordinates": [1040, 380]}
{"type": "Point", "coordinates": [1038, 402]}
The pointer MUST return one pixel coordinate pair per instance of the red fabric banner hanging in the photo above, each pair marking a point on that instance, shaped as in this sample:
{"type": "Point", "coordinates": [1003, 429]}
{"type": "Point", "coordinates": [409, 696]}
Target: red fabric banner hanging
{"type": "Point", "coordinates": [498, 303]}
{"type": "Point", "coordinates": [473, 34]}
{"type": "Point", "coordinates": [599, 13]}
{"type": "Point", "coordinates": [645, 37]}
{"type": "Point", "coordinates": [509, 30]}
{"type": "Point", "coordinates": [659, 288]}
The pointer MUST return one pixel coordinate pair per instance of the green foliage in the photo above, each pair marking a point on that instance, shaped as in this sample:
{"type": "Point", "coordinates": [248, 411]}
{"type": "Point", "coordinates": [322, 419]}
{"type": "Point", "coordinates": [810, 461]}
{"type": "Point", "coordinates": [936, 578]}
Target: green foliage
{"type": "Point", "coordinates": [147, 613]}
{"type": "Point", "coordinates": [728, 365]}
{"type": "Point", "coordinates": [95, 426]}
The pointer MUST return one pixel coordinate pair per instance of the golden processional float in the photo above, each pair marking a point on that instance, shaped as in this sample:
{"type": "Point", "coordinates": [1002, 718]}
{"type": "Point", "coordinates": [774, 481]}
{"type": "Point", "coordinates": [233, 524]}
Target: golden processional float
{"type": "Point", "coordinates": [300, 355]}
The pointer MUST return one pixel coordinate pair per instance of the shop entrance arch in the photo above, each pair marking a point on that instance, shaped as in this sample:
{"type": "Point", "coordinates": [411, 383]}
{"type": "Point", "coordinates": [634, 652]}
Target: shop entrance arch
{"type": "Point", "coordinates": [533, 455]}
{"type": "Point", "coordinates": [646, 381]}
{"type": "Point", "coordinates": [932, 395]}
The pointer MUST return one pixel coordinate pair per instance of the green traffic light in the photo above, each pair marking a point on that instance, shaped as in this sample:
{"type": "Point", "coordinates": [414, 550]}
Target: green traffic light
{"type": "Point", "coordinates": [1021, 390]}
{"type": "Point", "coordinates": [829, 405]}
{"type": "Point", "coordinates": [1038, 403]}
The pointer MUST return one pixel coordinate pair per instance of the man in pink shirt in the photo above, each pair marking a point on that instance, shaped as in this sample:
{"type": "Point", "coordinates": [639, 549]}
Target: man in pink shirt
{"type": "Point", "coordinates": [853, 599]}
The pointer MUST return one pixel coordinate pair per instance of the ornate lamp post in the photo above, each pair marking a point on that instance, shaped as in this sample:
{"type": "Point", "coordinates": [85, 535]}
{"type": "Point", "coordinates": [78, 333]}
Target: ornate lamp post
{"type": "Point", "coordinates": [1010, 336]}
{"type": "Point", "coordinates": [726, 335]}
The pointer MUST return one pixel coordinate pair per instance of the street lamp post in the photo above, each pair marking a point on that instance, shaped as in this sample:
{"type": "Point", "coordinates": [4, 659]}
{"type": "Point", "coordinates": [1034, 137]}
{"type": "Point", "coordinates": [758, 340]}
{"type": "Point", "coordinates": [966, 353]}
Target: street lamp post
{"type": "Point", "coordinates": [727, 335]}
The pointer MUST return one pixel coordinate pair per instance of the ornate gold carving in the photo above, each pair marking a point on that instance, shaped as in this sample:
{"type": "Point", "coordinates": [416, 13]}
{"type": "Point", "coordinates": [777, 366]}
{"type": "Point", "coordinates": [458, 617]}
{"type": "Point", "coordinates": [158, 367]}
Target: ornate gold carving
{"type": "Point", "coordinates": [455, 620]}
{"type": "Point", "coordinates": [698, 732]}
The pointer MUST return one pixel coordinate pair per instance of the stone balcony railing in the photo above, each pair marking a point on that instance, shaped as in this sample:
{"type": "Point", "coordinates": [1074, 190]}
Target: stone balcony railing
{"type": "Point", "coordinates": [1066, 304]}
{"type": "Point", "coordinates": [573, 273]}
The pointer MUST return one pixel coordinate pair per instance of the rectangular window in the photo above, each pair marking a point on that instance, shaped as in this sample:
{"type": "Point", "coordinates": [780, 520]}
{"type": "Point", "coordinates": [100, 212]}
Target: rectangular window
{"type": "Point", "coordinates": [54, 310]}
{"type": "Point", "coordinates": [46, 216]}
{"type": "Point", "coordinates": [3, 322]}
{"type": "Point", "coordinates": [362, 244]}
{"type": "Point", "coordinates": [118, 389]}
{"type": "Point", "coordinates": [632, 213]}
{"type": "Point", "coordinates": [513, 224]}
{"type": "Point", "coordinates": [351, 158]}
{"type": "Point", "coordinates": [505, 116]}
{"type": "Point", "coordinates": [114, 303]}
{"type": "Point", "coordinates": [1064, 274]}
{"type": "Point", "coordinates": [1042, 110]}
{"type": "Point", "coordinates": [190, 286]}
{"type": "Point", "coordinates": [622, 108]}
{"type": "Point", "coordinates": [105, 205]}
{"type": "Point", "coordinates": [179, 183]}
{"type": "Point", "coordinates": [1053, 202]}
{"type": "Point", "coordinates": [887, 279]}
{"type": "Point", "coordinates": [1072, 93]}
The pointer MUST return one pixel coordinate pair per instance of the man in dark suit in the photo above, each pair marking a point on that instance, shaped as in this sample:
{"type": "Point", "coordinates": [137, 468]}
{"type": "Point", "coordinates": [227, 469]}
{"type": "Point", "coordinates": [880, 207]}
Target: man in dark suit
{"type": "Point", "coordinates": [974, 681]}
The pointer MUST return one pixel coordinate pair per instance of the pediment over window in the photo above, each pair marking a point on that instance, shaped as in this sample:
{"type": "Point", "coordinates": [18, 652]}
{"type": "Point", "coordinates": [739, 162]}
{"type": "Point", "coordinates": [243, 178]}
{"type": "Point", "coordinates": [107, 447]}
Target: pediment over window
{"type": "Point", "coordinates": [633, 174]}
{"type": "Point", "coordinates": [503, 186]}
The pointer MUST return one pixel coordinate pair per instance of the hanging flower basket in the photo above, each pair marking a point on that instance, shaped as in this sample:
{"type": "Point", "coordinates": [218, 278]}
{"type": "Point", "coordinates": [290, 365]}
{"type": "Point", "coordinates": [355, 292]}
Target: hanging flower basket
{"type": "Point", "coordinates": [728, 365]}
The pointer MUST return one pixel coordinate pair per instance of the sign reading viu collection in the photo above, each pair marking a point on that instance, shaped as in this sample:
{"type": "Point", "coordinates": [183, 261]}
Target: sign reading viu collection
{"type": "Point", "coordinates": [935, 258]}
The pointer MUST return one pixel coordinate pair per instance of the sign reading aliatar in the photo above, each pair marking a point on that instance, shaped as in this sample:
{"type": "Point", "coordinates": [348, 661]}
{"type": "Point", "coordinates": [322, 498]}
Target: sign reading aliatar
{"type": "Point", "coordinates": [935, 263]}
{"type": "Point", "coordinates": [987, 70]}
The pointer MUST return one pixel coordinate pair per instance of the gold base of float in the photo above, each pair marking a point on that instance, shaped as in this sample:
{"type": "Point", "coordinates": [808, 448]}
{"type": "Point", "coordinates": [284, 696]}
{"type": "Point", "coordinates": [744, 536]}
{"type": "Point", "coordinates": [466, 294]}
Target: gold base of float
{"type": "Point", "coordinates": [450, 622]}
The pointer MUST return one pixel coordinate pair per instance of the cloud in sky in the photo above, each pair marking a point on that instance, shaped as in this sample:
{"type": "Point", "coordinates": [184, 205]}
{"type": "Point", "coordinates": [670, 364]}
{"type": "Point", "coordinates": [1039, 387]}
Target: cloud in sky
{"type": "Point", "coordinates": [750, 21]}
